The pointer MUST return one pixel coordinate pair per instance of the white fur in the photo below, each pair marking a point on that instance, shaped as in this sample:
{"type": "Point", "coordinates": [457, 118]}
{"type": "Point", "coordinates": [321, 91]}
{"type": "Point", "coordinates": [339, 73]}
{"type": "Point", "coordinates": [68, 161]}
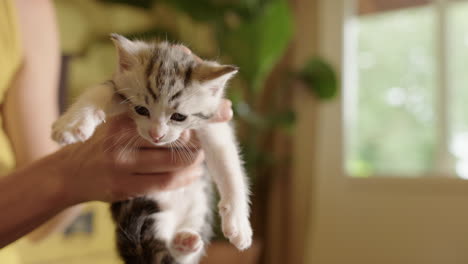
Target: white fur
{"type": "Point", "coordinates": [183, 209]}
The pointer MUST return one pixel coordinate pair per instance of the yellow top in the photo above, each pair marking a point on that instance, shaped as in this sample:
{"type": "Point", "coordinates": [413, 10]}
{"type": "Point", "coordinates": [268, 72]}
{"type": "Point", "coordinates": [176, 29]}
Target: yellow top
{"type": "Point", "coordinates": [10, 60]}
{"type": "Point", "coordinates": [77, 248]}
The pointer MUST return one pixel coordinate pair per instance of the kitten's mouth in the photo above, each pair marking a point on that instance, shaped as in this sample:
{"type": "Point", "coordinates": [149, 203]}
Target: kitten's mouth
{"type": "Point", "coordinates": [158, 143]}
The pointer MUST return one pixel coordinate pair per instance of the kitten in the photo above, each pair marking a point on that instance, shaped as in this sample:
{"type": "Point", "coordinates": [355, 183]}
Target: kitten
{"type": "Point", "coordinates": [166, 90]}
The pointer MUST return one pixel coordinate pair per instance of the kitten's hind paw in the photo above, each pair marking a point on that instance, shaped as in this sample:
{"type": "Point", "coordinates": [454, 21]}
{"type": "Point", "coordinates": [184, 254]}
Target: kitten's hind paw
{"type": "Point", "coordinates": [186, 242]}
{"type": "Point", "coordinates": [236, 226]}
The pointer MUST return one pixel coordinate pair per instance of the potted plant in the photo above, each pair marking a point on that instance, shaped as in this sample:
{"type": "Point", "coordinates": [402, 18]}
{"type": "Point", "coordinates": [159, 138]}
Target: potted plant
{"type": "Point", "coordinates": [253, 35]}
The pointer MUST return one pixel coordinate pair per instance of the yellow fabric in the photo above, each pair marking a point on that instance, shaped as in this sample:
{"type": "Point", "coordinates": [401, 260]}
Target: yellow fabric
{"type": "Point", "coordinates": [10, 59]}
{"type": "Point", "coordinates": [95, 248]}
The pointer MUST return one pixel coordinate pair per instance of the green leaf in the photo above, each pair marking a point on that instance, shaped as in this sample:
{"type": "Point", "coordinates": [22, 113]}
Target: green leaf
{"type": "Point", "coordinates": [320, 78]}
{"type": "Point", "coordinates": [257, 44]}
{"type": "Point", "coordinates": [243, 111]}
{"type": "Point", "coordinates": [285, 119]}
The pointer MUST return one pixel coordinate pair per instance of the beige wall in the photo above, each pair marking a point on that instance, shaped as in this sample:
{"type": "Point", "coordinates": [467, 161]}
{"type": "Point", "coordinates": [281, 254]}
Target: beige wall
{"type": "Point", "coordinates": [380, 220]}
{"type": "Point", "coordinates": [302, 193]}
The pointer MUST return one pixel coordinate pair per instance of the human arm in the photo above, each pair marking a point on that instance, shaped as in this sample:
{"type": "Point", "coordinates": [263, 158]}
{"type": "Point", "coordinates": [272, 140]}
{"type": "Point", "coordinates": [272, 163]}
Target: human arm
{"type": "Point", "coordinates": [98, 169]}
{"type": "Point", "coordinates": [31, 105]}
{"type": "Point", "coordinates": [27, 200]}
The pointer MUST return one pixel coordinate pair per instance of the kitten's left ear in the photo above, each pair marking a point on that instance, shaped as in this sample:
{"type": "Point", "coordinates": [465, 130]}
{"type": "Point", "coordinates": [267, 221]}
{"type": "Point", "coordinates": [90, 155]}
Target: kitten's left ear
{"type": "Point", "coordinates": [126, 51]}
{"type": "Point", "coordinates": [213, 75]}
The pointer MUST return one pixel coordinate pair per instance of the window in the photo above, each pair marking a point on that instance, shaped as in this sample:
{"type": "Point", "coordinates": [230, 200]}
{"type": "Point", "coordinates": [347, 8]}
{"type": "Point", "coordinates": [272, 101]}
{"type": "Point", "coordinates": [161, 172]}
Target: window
{"type": "Point", "coordinates": [458, 80]}
{"type": "Point", "coordinates": [406, 111]}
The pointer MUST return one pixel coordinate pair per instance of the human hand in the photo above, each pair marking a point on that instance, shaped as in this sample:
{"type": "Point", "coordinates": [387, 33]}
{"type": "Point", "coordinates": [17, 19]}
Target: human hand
{"type": "Point", "coordinates": [115, 163]}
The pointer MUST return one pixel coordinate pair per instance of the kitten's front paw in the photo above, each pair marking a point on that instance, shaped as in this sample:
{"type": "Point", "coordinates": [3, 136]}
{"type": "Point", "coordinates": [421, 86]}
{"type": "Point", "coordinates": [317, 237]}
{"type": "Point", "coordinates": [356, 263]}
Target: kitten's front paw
{"type": "Point", "coordinates": [71, 128]}
{"type": "Point", "coordinates": [235, 225]}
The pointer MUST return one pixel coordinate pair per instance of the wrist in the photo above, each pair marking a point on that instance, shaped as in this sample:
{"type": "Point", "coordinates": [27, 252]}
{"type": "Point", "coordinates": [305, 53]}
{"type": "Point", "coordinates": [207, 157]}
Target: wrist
{"type": "Point", "coordinates": [58, 182]}
{"type": "Point", "coordinates": [31, 195]}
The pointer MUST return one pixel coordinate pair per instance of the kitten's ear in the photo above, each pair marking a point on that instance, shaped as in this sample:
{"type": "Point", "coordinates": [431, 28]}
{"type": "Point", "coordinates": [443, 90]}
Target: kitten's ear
{"type": "Point", "coordinates": [214, 75]}
{"type": "Point", "coordinates": [126, 51]}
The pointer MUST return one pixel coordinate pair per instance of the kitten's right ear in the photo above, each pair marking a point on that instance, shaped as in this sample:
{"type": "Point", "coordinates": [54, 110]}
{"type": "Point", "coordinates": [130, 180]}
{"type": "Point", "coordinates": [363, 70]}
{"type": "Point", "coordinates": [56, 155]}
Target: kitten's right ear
{"type": "Point", "coordinates": [126, 51]}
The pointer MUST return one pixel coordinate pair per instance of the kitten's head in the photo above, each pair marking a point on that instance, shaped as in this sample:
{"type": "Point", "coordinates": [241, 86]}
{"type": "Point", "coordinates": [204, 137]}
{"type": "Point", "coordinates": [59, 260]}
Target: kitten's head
{"type": "Point", "coordinates": [167, 88]}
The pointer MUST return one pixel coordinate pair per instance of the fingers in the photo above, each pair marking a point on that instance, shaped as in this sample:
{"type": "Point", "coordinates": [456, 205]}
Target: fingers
{"type": "Point", "coordinates": [224, 112]}
{"type": "Point", "coordinates": [116, 132]}
{"type": "Point", "coordinates": [146, 183]}
{"type": "Point", "coordinates": [184, 177]}
{"type": "Point", "coordinates": [164, 160]}
{"type": "Point", "coordinates": [151, 178]}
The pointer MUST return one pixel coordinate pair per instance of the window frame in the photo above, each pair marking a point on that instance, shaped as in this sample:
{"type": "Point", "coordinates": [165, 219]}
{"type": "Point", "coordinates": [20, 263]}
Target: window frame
{"type": "Point", "coordinates": [334, 44]}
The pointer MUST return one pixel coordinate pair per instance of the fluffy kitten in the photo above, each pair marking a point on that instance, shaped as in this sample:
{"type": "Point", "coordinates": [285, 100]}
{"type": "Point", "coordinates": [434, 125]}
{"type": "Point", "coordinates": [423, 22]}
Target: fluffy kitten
{"type": "Point", "coordinates": [167, 90]}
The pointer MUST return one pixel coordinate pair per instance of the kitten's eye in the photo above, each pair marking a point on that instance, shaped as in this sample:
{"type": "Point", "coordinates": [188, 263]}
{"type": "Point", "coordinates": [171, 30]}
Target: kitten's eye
{"type": "Point", "coordinates": [178, 117]}
{"type": "Point", "coordinates": [141, 110]}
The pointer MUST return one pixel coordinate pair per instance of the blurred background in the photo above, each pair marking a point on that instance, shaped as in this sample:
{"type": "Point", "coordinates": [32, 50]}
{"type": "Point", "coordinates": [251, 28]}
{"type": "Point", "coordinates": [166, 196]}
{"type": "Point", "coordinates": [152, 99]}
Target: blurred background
{"type": "Point", "coordinates": [351, 116]}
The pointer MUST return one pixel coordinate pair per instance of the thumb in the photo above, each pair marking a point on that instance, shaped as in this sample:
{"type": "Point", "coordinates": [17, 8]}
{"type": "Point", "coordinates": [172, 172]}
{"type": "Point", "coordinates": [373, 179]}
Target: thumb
{"type": "Point", "coordinates": [224, 112]}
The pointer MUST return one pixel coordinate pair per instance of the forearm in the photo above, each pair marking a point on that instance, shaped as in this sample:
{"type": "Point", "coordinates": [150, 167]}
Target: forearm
{"type": "Point", "coordinates": [29, 197]}
{"type": "Point", "coordinates": [31, 104]}
{"type": "Point", "coordinates": [35, 87]}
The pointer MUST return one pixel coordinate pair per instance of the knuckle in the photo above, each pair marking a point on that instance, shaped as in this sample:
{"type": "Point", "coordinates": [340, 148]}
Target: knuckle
{"type": "Point", "coordinates": [185, 135]}
{"type": "Point", "coordinates": [167, 180]}
{"type": "Point", "coordinates": [180, 162]}
{"type": "Point", "coordinates": [170, 176]}
{"type": "Point", "coordinates": [119, 162]}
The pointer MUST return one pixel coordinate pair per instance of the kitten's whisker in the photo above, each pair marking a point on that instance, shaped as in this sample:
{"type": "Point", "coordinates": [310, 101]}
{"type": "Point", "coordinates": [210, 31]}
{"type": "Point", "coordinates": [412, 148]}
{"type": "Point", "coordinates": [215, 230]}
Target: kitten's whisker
{"type": "Point", "coordinates": [121, 136]}
{"type": "Point", "coordinates": [128, 99]}
{"type": "Point", "coordinates": [125, 148]}
{"type": "Point", "coordinates": [130, 149]}
{"type": "Point", "coordinates": [171, 147]}
{"type": "Point", "coordinates": [188, 155]}
{"type": "Point", "coordinates": [126, 151]}
{"type": "Point", "coordinates": [175, 150]}
{"type": "Point", "coordinates": [138, 143]}
{"type": "Point", "coordinates": [189, 150]}
{"type": "Point", "coordinates": [181, 151]}
{"type": "Point", "coordinates": [178, 151]}
{"type": "Point", "coordinates": [133, 147]}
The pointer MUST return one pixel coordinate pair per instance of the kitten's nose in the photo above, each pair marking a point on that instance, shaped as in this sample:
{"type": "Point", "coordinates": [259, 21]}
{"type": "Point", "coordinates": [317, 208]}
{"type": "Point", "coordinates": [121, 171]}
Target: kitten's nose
{"type": "Point", "coordinates": [155, 135]}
